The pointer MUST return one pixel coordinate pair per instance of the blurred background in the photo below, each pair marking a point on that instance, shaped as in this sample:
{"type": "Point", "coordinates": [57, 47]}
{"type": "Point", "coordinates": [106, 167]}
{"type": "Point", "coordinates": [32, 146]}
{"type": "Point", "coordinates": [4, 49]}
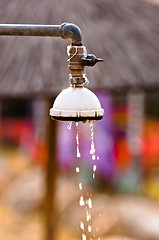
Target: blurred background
{"type": "Point", "coordinates": [39, 193]}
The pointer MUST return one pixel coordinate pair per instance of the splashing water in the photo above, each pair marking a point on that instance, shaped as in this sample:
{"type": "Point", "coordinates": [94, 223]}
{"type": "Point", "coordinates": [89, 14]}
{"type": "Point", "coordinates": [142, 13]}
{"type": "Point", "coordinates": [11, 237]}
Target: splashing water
{"type": "Point", "coordinates": [69, 125]}
{"type": "Point", "coordinates": [77, 140]}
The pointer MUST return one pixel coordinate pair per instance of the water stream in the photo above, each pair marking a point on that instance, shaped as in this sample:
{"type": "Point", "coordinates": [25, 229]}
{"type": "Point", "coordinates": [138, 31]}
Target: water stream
{"type": "Point", "coordinates": [77, 140]}
{"type": "Point", "coordinates": [84, 201]}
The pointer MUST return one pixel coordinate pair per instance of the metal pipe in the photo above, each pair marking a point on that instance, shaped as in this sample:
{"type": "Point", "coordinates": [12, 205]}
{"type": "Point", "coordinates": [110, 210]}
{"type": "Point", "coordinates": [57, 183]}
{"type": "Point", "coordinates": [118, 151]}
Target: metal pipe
{"type": "Point", "coordinates": [65, 30]}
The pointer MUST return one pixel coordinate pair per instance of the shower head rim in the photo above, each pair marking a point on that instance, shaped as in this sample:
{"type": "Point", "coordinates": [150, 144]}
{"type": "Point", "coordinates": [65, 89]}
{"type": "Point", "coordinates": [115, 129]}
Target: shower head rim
{"type": "Point", "coordinates": [76, 114]}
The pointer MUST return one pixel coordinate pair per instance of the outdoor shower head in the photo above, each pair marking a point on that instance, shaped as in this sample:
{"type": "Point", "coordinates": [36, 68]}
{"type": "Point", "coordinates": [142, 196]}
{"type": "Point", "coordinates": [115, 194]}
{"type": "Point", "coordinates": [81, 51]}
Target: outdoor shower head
{"type": "Point", "coordinates": [77, 104]}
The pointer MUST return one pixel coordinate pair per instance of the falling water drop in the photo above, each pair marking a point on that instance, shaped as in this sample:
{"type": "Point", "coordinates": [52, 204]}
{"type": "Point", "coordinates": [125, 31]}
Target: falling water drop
{"type": "Point", "coordinates": [93, 157]}
{"type": "Point", "coordinates": [92, 148]}
{"type": "Point", "coordinates": [88, 216]}
{"type": "Point", "coordinates": [77, 140]}
{"type": "Point", "coordinates": [77, 169]}
{"type": "Point", "coordinates": [80, 186]}
{"type": "Point", "coordinates": [94, 176]}
{"type": "Point", "coordinates": [69, 125]}
{"type": "Point", "coordinates": [97, 158]}
{"type": "Point", "coordinates": [82, 225]}
{"type": "Point", "coordinates": [94, 168]}
{"type": "Point", "coordinates": [83, 236]}
{"type": "Point", "coordinates": [78, 153]}
{"type": "Point", "coordinates": [81, 202]}
{"type": "Point", "coordinates": [89, 202]}
{"type": "Point", "coordinates": [89, 228]}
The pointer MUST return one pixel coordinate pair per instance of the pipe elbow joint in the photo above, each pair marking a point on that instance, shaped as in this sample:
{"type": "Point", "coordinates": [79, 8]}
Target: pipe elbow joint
{"type": "Point", "coordinates": [70, 30]}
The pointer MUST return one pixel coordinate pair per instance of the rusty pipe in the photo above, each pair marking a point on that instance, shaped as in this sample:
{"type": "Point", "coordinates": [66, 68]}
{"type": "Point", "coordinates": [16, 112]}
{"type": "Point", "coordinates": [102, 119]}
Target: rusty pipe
{"type": "Point", "coordinates": [65, 30]}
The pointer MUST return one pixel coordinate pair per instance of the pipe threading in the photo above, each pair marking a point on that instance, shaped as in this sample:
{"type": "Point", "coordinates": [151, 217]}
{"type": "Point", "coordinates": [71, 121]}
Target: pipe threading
{"type": "Point", "coordinates": [76, 67]}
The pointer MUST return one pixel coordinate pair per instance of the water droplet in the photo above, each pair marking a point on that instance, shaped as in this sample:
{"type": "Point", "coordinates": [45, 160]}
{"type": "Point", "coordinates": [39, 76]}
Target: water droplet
{"type": "Point", "coordinates": [94, 168]}
{"type": "Point", "coordinates": [78, 153]}
{"type": "Point", "coordinates": [77, 169]}
{"type": "Point", "coordinates": [93, 157]}
{"type": "Point", "coordinates": [89, 228]}
{"type": "Point", "coordinates": [83, 236]}
{"type": "Point", "coordinates": [81, 202]}
{"type": "Point", "coordinates": [94, 176]}
{"type": "Point", "coordinates": [69, 125]}
{"type": "Point", "coordinates": [80, 186]}
{"type": "Point", "coordinates": [89, 202]}
{"type": "Point", "coordinates": [88, 217]}
{"type": "Point", "coordinates": [97, 158]}
{"type": "Point", "coordinates": [82, 225]}
{"type": "Point", "coordinates": [92, 151]}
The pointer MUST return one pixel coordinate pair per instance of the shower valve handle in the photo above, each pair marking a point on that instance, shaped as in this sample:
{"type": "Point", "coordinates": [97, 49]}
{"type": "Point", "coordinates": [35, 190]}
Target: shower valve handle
{"type": "Point", "coordinates": [90, 60]}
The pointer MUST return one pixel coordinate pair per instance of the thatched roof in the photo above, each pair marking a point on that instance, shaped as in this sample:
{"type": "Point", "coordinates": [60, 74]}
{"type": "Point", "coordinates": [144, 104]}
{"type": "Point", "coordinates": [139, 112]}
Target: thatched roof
{"type": "Point", "coordinates": [123, 32]}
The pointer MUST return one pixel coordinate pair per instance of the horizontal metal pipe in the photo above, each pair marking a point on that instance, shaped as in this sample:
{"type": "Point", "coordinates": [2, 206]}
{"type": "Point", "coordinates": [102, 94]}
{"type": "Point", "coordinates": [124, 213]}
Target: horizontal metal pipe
{"type": "Point", "coordinates": [30, 30]}
{"type": "Point", "coordinates": [65, 30]}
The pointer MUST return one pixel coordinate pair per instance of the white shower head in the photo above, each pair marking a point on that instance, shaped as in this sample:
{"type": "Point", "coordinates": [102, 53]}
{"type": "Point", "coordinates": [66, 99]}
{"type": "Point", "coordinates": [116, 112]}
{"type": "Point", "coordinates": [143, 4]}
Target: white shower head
{"type": "Point", "coordinates": [77, 104]}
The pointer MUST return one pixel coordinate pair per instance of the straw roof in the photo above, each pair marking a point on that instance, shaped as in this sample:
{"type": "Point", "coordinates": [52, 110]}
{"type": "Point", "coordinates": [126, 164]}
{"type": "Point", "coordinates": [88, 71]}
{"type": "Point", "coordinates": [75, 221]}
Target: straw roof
{"type": "Point", "coordinates": [124, 33]}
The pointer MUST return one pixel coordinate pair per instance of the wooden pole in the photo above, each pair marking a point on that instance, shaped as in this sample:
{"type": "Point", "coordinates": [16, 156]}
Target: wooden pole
{"type": "Point", "coordinates": [51, 175]}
